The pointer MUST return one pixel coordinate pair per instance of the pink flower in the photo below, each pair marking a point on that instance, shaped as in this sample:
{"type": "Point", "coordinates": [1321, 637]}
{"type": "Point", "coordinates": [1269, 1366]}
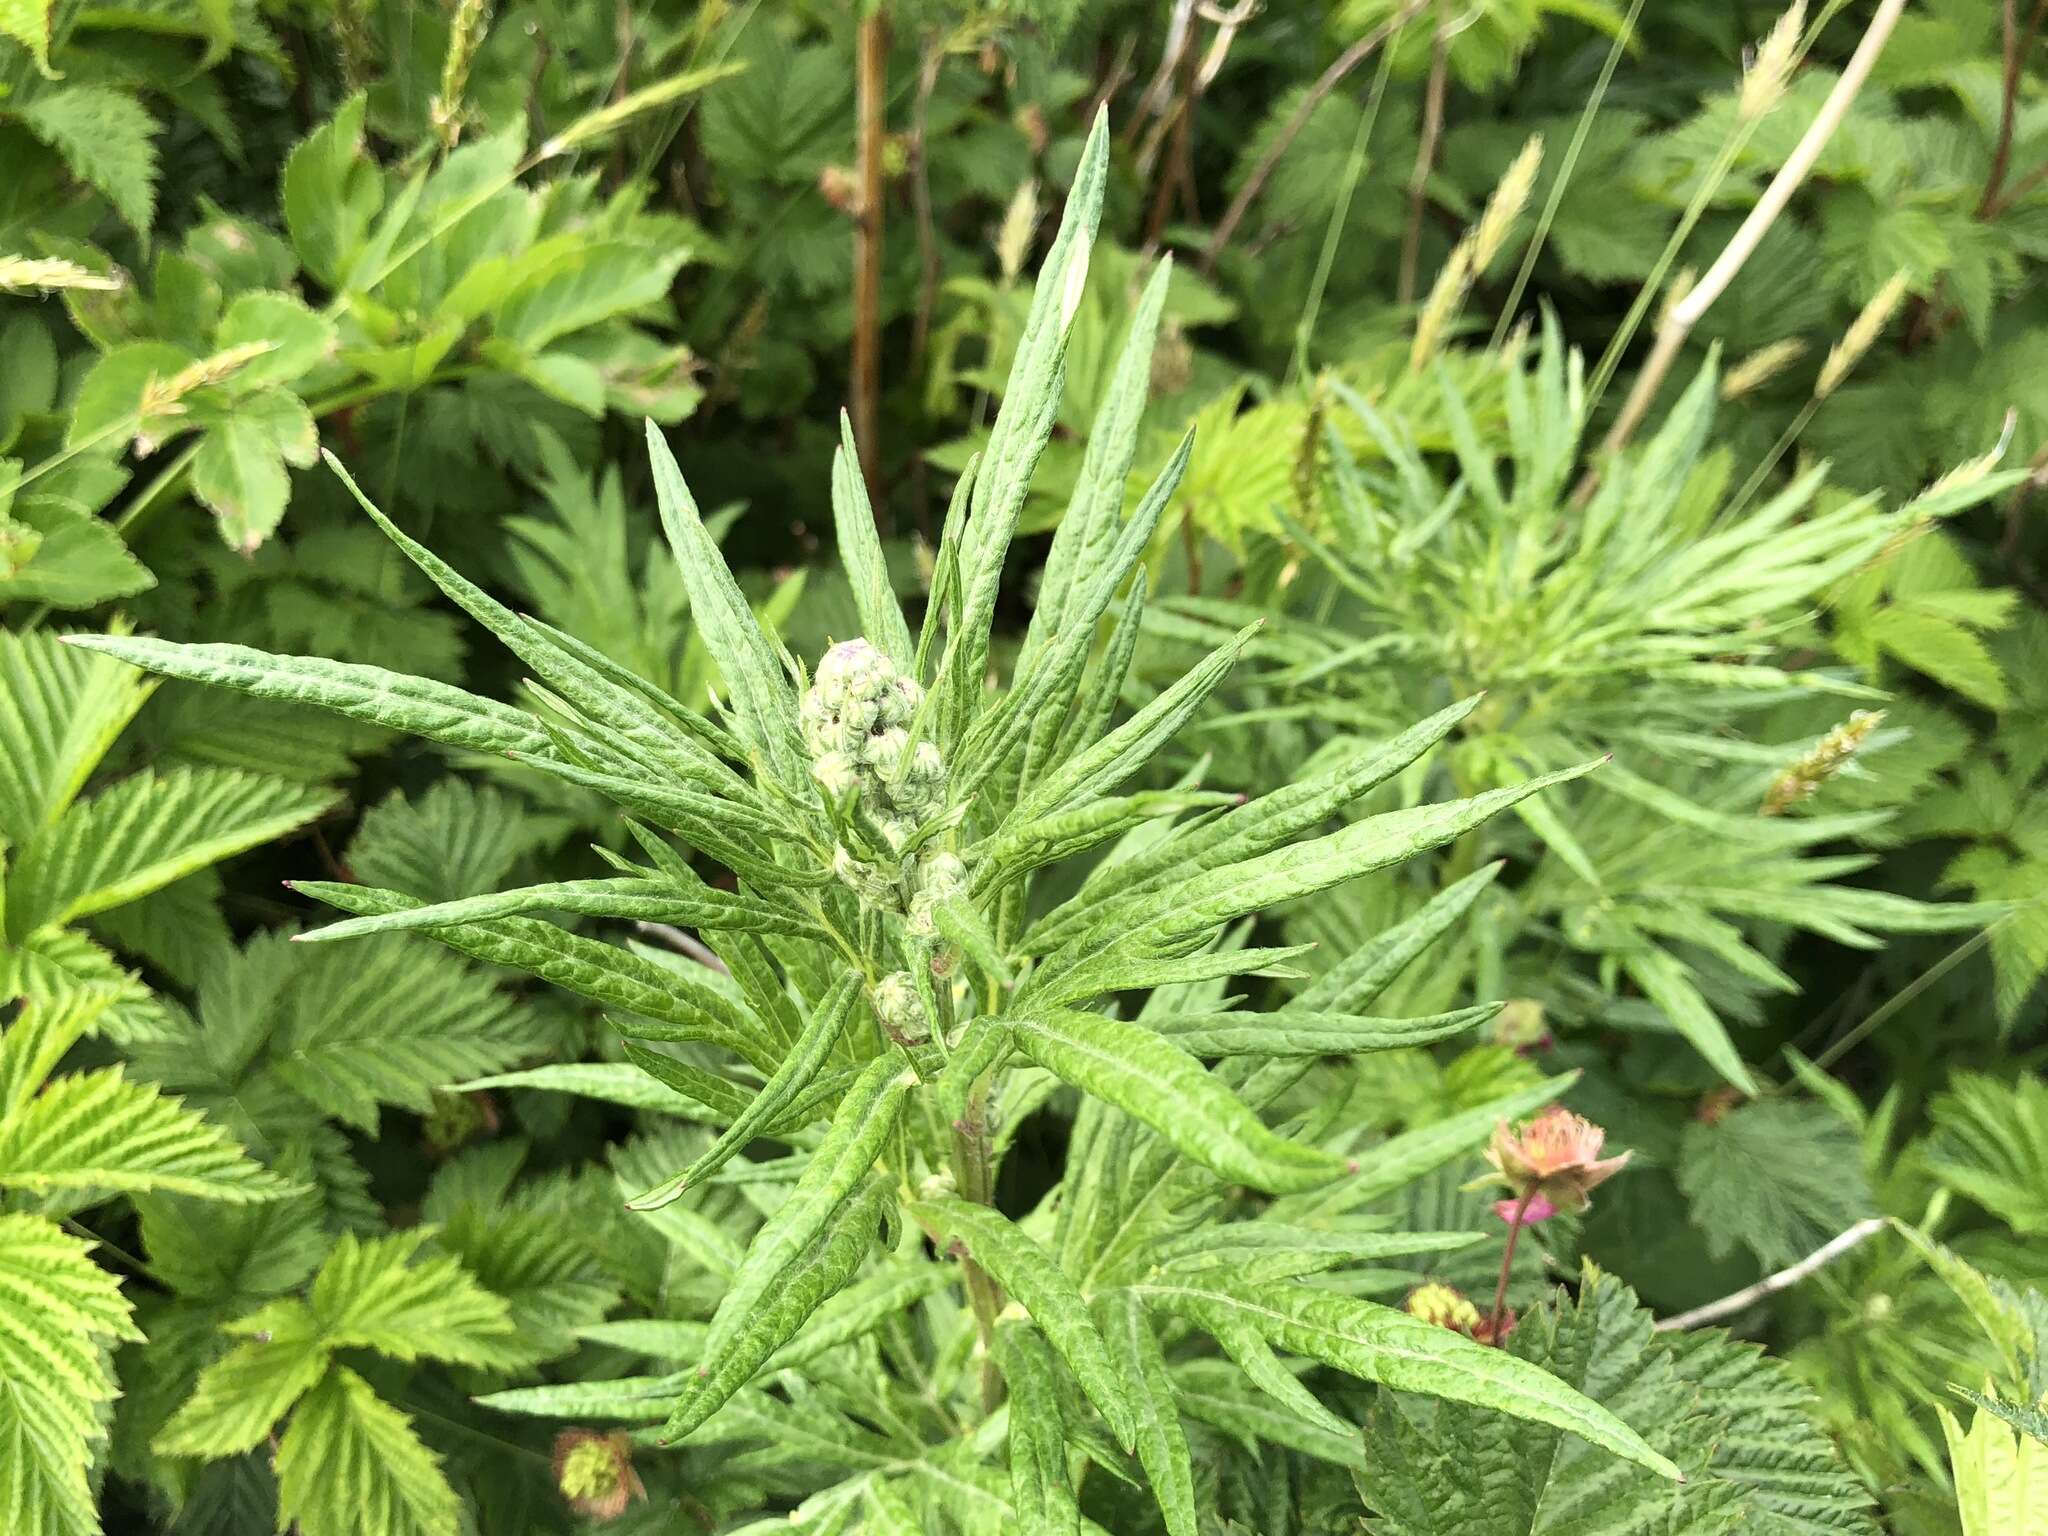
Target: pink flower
{"type": "Point", "coordinates": [1554, 1158]}
{"type": "Point", "coordinates": [1539, 1209]}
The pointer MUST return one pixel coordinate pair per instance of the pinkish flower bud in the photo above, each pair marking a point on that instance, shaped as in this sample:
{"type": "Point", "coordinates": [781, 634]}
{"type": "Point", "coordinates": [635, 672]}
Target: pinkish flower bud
{"type": "Point", "coordinates": [1514, 1213]}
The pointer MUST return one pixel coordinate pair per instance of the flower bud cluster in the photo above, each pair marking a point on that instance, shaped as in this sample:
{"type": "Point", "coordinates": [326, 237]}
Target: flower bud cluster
{"type": "Point", "coordinates": [856, 718]}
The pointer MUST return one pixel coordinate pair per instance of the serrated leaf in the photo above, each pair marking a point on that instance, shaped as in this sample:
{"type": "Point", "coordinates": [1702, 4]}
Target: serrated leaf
{"type": "Point", "coordinates": [60, 711]}
{"type": "Point", "coordinates": [63, 1314]}
{"type": "Point", "coordinates": [101, 1131]}
{"type": "Point", "coordinates": [28, 23]}
{"type": "Point", "coordinates": [381, 1295]}
{"type": "Point", "coordinates": [350, 1464]}
{"type": "Point", "coordinates": [107, 139]}
{"type": "Point", "coordinates": [240, 1397]}
{"type": "Point", "coordinates": [329, 194]}
{"type": "Point", "coordinates": [145, 832]}
{"type": "Point", "coordinates": [1778, 1176]}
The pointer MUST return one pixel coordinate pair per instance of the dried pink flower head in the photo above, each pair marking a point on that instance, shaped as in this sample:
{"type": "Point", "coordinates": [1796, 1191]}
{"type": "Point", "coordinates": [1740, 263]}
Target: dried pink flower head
{"type": "Point", "coordinates": [1555, 1158]}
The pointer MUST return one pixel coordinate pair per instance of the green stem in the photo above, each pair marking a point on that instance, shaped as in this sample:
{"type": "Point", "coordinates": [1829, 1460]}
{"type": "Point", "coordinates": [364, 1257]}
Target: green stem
{"type": "Point", "coordinates": [1769, 461]}
{"type": "Point", "coordinates": [973, 1179]}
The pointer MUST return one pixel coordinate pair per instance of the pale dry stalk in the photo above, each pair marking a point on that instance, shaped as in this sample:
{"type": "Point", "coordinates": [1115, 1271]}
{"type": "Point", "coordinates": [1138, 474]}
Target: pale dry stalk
{"type": "Point", "coordinates": [1680, 319]}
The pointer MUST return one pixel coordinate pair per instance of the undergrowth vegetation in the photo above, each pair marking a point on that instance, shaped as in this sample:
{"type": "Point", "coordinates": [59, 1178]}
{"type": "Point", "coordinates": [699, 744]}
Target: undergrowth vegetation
{"type": "Point", "coordinates": [1207, 769]}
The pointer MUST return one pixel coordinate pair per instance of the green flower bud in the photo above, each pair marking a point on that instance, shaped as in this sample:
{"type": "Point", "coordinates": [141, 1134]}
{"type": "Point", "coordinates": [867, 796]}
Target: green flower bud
{"type": "Point", "coordinates": [900, 1011]}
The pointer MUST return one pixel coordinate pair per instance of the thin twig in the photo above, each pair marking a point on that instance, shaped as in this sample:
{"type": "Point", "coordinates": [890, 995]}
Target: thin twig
{"type": "Point", "coordinates": [1178, 27]}
{"type": "Point", "coordinates": [2022, 187]}
{"type": "Point", "coordinates": [1771, 1284]}
{"type": "Point", "coordinates": [871, 93]}
{"type": "Point", "coordinates": [683, 944]}
{"type": "Point", "coordinates": [2015, 44]}
{"type": "Point", "coordinates": [1680, 319]}
{"type": "Point", "coordinates": [1425, 153]}
{"type": "Point", "coordinates": [929, 64]}
{"type": "Point", "coordinates": [1326, 82]}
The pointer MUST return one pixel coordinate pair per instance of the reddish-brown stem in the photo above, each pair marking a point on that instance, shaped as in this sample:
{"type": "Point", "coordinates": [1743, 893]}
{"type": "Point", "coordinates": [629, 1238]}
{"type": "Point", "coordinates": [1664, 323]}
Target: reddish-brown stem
{"type": "Point", "coordinates": [1507, 1263]}
{"type": "Point", "coordinates": [2019, 189]}
{"type": "Point", "coordinates": [2016, 43]}
{"type": "Point", "coordinates": [871, 88]}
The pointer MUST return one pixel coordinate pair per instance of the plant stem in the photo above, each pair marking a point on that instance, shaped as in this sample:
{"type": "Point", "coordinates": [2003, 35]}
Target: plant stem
{"type": "Point", "coordinates": [971, 1179]}
{"type": "Point", "coordinates": [1769, 461]}
{"type": "Point", "coordinates": [871, 86]}
{"type": "Point", "coordinates": [1425, 153]}
{"type": "Point", "coordinates": [1507, 1261]}
{"type": "Point", "coordinates": [1907, 993]}
{"type": "Point", "coordinates": [1564, 175]}
{"type": "Point", "coordinates": [2015, 45]}
{"type": "Point", "coordinates": [1687, 312]}
{"type": "Point", "coordinates": [1326, 82]}
{"type": "Point", "coordinates": [930, 62]}
{"type": "Point", "coordinates": [1340, 213]}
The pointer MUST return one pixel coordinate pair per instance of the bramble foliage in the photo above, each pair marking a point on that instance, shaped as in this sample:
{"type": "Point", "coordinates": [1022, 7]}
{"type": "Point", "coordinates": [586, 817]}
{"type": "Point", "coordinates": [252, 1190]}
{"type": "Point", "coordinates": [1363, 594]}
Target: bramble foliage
{"type": "Point", "coordinates": [974, 1019]}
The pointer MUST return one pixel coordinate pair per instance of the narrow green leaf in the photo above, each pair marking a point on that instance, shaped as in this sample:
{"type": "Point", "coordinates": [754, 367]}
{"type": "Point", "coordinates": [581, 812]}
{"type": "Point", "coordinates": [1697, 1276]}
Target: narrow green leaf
{"type": "Point", "coordinates": [860, 551]}
{"type": "Point", "coordinates": [627, 718]}
{"type": "Point", "coordinates": [1255, 828]}
{"type": "Point", "coordinates": [1031, 398]}
{"type": "Point", "coordinates": [1027, 1272]}
{"type": "Point", "coordinates": [1401, 1159]}
{"type": "Point", "coordinates": [616, 977]}
{"type": "Point", "coordinates": [1302, 1032]}
{"type": "Point", "coordinates": [634, 900]}
{"type": "Point", "coordinates": [793, 1074]}
{"type": "Point", "coordinates": [415, 705]}
{"type": "Point", "coordinates": [823, 1267]}
{"type": "Point", "coordinates": [1039, 1485]}
{"type": "Point", "coordinates": [1157, 1082]}
{"type": "Point", "coordinates": [1099, 768]}
{"type": "Point", "coordinates": [1380, 1344]}
{"type": "Point", "coordinates": [861, 1125]}
{"type": "Point", "coordinates": [725, 620]}
{"type": "Point", "coordinates": [1360, 977]}
{"type": "Point", "coordinates": [1162, 1443]}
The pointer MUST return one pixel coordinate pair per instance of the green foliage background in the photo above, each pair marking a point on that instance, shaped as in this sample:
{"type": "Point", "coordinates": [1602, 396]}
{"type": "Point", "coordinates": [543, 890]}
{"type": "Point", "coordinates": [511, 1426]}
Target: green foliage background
{"type": "Point", "coordinates": [327, 1197]}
